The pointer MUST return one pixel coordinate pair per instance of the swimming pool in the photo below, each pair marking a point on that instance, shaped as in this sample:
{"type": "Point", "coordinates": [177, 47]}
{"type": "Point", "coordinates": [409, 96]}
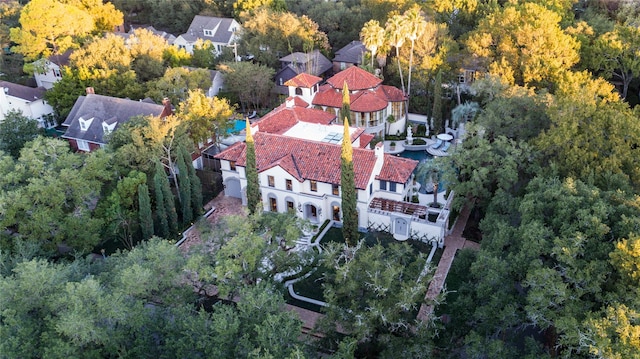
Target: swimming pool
{"type": "Point", "coordinates": [238, 125]}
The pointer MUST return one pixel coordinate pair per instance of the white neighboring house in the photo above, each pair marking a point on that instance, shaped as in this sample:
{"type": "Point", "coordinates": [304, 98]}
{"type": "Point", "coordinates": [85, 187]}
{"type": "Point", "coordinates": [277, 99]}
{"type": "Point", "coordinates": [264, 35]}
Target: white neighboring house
{"type": "Point", "coordinates": [222, 32]}
{"type": "Point", "coordinates": [49, 70]}
{"type": "Point", "coordinates": [217, 82]}
{"type": "Point", "coordinates": [30, 101]}
{"type": "Point", "coordinates": [298, 151]}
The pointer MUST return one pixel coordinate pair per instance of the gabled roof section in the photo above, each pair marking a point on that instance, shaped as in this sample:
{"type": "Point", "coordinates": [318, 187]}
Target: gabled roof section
{"type": "Point", "coordinates": [363, 101]}
{"type": "Point", "coordinates": [365, 139]}
{"type": "Point", "coordinates": [356, 78]}
{"type": "Point", "coordinates": [303, 80]}
{"type": "Point", "coordinates": [313, 160]}
{"type": "Point", "coordinates": [26, 93]}
{"type": "Point", "coordinates": [392, 93]}
{"type": "Point", "coordinates": [283, 118]}
{"type": "Point", "coordinates": [351, 53]}
{"type": "Point", "coordinates": [221, 26]}
{"type": "Point", "coordinates": [61, 59]}
{"type": "Point", "coordinates": [314, 63]}
{"type": "Point", "coordinates": [396, 169]}
{"type": "Point", "coordinates": [104, 108]}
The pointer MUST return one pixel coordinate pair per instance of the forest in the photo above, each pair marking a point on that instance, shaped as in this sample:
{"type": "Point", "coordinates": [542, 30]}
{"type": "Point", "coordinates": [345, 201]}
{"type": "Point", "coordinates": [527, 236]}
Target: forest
{"type": "Point", "coordinates": [549, 164]}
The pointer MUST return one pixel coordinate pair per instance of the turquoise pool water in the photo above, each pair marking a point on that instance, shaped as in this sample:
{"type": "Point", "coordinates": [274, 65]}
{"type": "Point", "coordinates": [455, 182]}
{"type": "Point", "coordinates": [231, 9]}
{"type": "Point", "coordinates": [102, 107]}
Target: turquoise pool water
{"type": "Point", "coordinates": [238, 125]}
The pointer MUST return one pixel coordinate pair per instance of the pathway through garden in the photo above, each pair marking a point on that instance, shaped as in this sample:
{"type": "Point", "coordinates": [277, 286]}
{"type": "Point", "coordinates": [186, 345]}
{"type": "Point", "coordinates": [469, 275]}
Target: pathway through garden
{"type": "Point", "coordinates": [452, 243]}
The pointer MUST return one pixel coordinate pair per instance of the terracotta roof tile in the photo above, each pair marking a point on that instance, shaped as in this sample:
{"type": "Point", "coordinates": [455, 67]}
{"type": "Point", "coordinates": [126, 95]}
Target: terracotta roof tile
{"type": "Point", "coordinates": [303, 80]}
{"type": "Point", "coordinates": [393, 93]}
{"type": "Point", "coordinates": [283, 118]}
{"type": "Point", "coordinates": [311, 160]}
{"type": "Point", "coordinates": [365, 139]}
{"type": "Point", "coordinates": [356, 78]}
{"type": "Point", "coordinates": [368, 101]}
{"type": "Point", "coordinates": [397, 169]}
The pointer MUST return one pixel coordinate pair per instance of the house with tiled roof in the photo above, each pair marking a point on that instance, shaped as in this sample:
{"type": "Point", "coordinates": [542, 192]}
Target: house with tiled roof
{"type": "Point", "coordinates": [28, 100]}
{"type": "Point", "coordinates": [221, 32]}
{"type": "Point", "coordinates": [313, 63]}
{"type": "Point", "coordinates": [93, 117]}
{"type": "Point", "coordinates": [377, 108]}
{"type": "Point", "coordinates": [298, 151]}
{"type": "Point", "coordinates": [352, 54]}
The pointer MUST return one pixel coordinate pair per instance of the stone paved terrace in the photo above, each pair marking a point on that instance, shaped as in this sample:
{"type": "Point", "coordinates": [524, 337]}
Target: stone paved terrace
{"type": "Point", "coordinates": [452, 243]}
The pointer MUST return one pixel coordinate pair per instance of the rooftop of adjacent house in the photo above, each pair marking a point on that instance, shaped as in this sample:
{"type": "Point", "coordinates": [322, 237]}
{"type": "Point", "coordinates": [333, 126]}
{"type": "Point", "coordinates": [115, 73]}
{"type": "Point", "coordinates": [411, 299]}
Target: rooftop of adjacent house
{"type": "Point", "coordinates": [96, 109]}
{"type": "Point", "coordinates": [317, 62]}
{"type": "Point", "coordinates": [163, 34]}
{"type": "Point", "coordinates": [222, 29]}
{"type": "Point", "coordinates": [351, 53]}
{"type": "Point", "coordinates": [22, 92]}
{"type": "Point", "coordinates": [356, 78]}
{"type": "Point", "coordinates": [303, 80]}
{"type": "Point", "coordinates": [61, 59]}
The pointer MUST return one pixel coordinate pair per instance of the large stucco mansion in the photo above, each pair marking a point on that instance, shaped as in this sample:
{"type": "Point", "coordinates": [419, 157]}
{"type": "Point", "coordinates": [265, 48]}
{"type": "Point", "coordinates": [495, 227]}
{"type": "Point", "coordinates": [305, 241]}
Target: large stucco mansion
{"type": "Point", "coordinates": [298, 147]}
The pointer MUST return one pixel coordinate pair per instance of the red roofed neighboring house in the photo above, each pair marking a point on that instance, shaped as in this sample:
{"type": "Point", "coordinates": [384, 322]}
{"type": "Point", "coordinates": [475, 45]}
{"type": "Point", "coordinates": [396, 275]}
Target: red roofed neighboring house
{"type": "Point", "coordinates": [376, 107]}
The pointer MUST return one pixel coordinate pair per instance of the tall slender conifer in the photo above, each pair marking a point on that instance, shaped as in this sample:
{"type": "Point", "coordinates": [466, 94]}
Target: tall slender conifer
{"type": "Point", "coordinates": [349, 193]}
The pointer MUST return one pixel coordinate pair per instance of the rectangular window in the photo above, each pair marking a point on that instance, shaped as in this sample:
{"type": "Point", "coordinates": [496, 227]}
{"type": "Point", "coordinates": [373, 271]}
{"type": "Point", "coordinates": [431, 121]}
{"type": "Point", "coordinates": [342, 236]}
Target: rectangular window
{"type": "Point", "coordinates": [314, 186]}
{"type": "Point", "coordinates": [335, 189]}
{"type": "Point", "coordinates": [271, 181]}
{"type": "Point", "coordinates": [392, 186]}
{"type": "Point", "coordinates": [208, 33]}
{"type": "Point", "coordinates": [370, 188]}
{"type": "Point", "coordinates": [232, 165]}
{"type": "Point", "coordinates": [290, 207]}
{"type": "Point", "coordinates": [289, 185]}
{"type": "Point", "coordinates": [273, 204]}
{"type": "Point", "coordinates": [383, 185]}
{"type": "Point", "coordinates": [83, 145]}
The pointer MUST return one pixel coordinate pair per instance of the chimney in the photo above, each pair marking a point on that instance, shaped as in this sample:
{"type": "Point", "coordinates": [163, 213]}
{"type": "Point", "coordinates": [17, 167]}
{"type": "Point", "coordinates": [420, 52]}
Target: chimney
{"type": "Point", "coordinates": [290, 102]}
{"type": "Point", "coordinates": [167, 110]}
{"type": "Point", "coordinates": [379, 153]}
{"type": "Point", "coordinates": [90, 91]}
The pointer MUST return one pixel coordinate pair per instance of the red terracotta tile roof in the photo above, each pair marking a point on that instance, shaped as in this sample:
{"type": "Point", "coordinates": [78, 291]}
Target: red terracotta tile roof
{"type": "Point", "coordinates": [365, 139]}
{"type": "Point", "coordinates": [303, 80]}
{"type": "Point", "coordinates": [281, 119]}
{"type": "Point", "coordinates": [363, 101]}
{"type": "Point", "coordinates": [392, 93]}
{"type": "Point", "coordinates": [298, 101]}
{"type": "Point", "coordinates": [305, 160]}
{"type": "Point", "coordinates": [356, 78]}
{"type": "Point", "coordinates": [368, 101]}
{"type": "Point", "coordinates": [397, 169]}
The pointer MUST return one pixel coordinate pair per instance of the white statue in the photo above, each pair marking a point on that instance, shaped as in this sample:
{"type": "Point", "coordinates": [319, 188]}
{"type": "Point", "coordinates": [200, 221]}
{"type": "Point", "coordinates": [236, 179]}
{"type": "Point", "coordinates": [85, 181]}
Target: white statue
{"type": "Point", "coordinates": [409, 135]}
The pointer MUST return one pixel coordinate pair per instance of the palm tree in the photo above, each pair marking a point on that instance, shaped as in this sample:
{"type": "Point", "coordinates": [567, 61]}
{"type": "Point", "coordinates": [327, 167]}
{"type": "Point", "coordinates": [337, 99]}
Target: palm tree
{"type": "Point", "coordinates": [396, 32]}
{"type": "Point", "coordinates": [373, 37]}
{"type": "Point", "coordinates": [430, 171]}
{"type": "Point", "coordinates": [415, 25]}
{"type": "Point", "coordinates": [461, 113]}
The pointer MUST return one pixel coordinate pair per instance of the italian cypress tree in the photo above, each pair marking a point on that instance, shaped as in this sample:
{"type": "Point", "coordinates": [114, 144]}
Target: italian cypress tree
{"type": "Point", "coordinates": [144, 211]}
{"type": "Point", "coordinates": [196, 185]}
{"type": "Point", "coordinates": [253, 185]}
{"type": "Point", "coordinates": [169, 199]}
{"type": "Point", "coordinates": [349, 194]}
{"type": "Point", "coordinates": [185, 189]}
{"type": "Point", "coordinates": [161, 210]}
{"type": "Point", "coordinates": [438, 125]}
{"type": "Point", "coordinates": [345, 112]}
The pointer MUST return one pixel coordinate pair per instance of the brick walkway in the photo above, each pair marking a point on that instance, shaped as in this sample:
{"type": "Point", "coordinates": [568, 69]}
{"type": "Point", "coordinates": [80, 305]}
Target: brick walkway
{"type": "Point", "coordinates": [452, 243]}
